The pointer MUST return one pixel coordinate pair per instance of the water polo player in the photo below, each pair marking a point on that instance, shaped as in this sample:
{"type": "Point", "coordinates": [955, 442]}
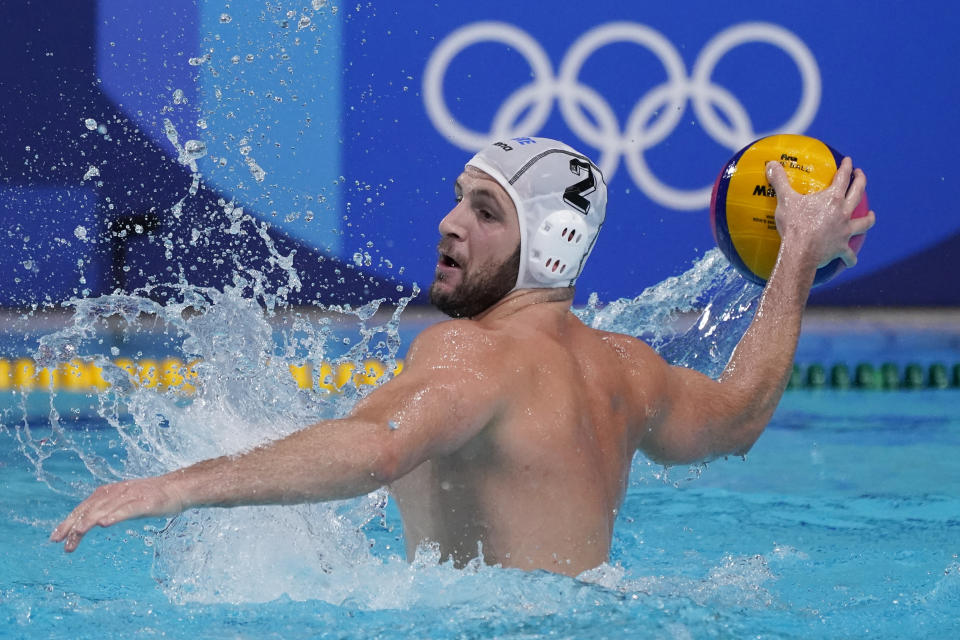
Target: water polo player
{"type": "Point", "coordinates": [513, 425]}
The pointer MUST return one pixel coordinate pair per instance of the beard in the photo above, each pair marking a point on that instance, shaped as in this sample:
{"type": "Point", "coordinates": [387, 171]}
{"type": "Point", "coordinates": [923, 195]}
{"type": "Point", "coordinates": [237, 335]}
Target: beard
{"type": "Point", "coordinates": [478, 291]}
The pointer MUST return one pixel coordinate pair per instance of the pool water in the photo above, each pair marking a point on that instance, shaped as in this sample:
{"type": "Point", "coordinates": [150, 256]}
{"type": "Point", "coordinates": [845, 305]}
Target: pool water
{"type": "Point", "coordinates": [844, 521]}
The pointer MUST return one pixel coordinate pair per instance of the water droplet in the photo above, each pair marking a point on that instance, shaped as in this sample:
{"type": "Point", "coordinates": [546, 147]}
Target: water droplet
{"type": "Point", "coordinates": [170, 131]}
{"type": "Point", "coordinates": [304, 23]}
{"type": "Point", "coordinates": [92, 172]}
{"type": "Point", "coordinates": [225, 18]}
{"type": "Point", "coordinates": [255, 170]}
{"type": "Point", "coordinates": [194, 149]}
{"type": "Point", "coordinates": [80, 232]}
{"type": "Point", "coordinates": [178, 97]}
{"type": "Point", "coordinates": [90, 124]}
{"type": "Point", "coordinates": [318, 4]}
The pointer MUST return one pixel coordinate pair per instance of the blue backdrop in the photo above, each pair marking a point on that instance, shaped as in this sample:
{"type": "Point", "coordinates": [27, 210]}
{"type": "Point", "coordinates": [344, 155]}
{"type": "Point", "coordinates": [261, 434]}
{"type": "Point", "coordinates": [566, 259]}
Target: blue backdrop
{"type": "Point", "coordinates": [134, 130]}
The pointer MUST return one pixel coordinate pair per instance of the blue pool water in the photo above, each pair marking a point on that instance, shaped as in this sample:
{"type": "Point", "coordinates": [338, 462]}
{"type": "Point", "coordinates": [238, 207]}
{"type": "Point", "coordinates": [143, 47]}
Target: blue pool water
{"type": "Point", "coordinates": [844, 521]}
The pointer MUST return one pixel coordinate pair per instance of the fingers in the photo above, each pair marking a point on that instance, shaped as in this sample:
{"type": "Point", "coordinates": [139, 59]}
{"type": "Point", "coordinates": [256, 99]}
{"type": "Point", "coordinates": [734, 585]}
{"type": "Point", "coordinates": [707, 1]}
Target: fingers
{"type": "Point", "coordinates": [859, 226]}
{"type": "Point", "coordinates": [849, 257]}
{"type": "Point", "coordinates": [101, 508]}
{"type": "Point", "coordinates": [114, 503]}
{"type": "Point", "coordinates": [856, 189]}
{"type": "Point", "coordinates": [69, 522]}
{"type": "Point", "coordinates": [73, 539]}
{"type": "Point", "coordinates": [778, 177]}
{"type": "Point", "coordinates": [74, 527]}
{"type": "Point", "coordinates": [841, 179]}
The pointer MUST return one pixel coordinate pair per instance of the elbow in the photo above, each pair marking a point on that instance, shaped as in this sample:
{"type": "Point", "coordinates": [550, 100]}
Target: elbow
{"type": "Point", "coordinates": [388, 465]}
{"type": "Point", "coordinates": [384, 471]}
{"type": "Point", "coordinates": [749, 416]}
{"type": "Point", "coordinates": [746, 436]}
{"type": "Point", "coordinates": [376, 455]}
{"type": "Point", "coordinates": [735, 438]}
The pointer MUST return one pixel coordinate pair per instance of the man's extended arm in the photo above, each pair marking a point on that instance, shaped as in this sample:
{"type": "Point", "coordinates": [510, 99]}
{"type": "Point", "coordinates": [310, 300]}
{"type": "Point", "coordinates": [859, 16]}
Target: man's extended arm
{"type": "Point", "coordinates": [431, 409]}
{"type": "Point", "coordinates": [701, 418]}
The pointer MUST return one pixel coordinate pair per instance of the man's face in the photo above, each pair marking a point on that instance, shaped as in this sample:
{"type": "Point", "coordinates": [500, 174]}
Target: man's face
{"type": "Point", "coordinates": [479, 250]}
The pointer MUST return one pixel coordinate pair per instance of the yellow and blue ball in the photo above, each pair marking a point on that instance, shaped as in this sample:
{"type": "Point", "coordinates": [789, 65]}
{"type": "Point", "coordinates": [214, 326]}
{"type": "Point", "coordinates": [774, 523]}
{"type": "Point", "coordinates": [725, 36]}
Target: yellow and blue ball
{"type": "Point", "coordinates": [743, 201]}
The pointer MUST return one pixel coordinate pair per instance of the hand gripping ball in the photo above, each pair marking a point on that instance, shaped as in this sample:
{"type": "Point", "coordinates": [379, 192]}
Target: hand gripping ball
{"type": "Point", "coordinates": [743, 202]}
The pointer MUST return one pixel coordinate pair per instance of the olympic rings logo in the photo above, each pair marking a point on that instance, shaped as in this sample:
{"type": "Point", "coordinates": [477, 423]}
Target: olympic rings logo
{"type": "Point", "coordinates": [654, 116]}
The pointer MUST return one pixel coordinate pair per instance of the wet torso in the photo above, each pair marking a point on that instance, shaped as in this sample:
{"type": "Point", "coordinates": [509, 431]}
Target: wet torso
{"type": "Point", "coordinates": [540, 486]}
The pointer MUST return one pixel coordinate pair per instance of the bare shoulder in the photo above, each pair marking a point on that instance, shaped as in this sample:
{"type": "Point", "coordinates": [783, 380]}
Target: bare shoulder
{"type": "Point", "coordinates": [633, 352]}
{"type": "Point", "coordinates": [451, 388]}
{"type": "Point", "coordinates": [643, 376]}
{"type": "Point", "coordinates": [457, 343]}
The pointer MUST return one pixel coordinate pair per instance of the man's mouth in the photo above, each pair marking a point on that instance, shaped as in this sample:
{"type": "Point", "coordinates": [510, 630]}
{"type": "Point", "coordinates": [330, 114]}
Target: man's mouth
{"type": "Point", "coordinates": [446, 260]}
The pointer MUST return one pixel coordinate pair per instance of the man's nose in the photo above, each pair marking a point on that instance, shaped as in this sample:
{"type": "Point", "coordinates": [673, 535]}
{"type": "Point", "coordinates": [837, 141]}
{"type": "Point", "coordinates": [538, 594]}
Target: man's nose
{"type": "Point", "coordinates": [452, 223]}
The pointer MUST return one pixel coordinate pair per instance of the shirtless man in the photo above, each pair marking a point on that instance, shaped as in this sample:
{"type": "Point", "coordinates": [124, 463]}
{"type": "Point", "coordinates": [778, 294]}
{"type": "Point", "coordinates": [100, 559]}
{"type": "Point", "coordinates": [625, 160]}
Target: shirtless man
{"type": "Point", "coordinates": [514, 425]}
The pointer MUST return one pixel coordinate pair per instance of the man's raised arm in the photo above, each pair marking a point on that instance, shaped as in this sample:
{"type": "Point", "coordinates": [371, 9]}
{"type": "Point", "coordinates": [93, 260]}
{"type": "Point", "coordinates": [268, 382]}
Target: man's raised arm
{"type": "Point", "coordinates": [700, 418]}
{"type": "Point", "coordinates": [433, 408]}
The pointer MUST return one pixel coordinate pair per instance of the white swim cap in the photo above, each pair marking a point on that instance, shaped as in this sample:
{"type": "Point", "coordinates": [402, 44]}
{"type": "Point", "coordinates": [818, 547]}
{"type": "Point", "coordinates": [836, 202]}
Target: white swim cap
{"type": "Point", "coordinates": [561, 200]}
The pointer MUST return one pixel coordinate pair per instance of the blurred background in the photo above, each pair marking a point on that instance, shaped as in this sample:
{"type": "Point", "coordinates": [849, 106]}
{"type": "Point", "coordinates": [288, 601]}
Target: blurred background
{"type": "Point", "coordinates": [135, 135]}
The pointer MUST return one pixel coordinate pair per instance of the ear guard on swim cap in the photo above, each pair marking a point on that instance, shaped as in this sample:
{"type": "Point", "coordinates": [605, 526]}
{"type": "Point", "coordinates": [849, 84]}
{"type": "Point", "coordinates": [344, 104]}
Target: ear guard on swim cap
{"type": "Point", "coordinates": [557, 247]}
{"type": "Point", "coordinates": [561, 201]}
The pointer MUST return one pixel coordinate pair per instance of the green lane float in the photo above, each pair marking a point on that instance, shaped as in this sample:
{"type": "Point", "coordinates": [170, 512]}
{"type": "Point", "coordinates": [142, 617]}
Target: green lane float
{"type": "Point", "coordinates": [867, 377]}
{"type": "Point", "coordinates": [840, 376]}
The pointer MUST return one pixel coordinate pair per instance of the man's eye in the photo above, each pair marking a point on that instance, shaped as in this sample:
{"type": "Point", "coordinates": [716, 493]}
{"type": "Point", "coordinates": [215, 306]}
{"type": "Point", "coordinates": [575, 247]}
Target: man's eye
{"type": "Point", "coordinates": [486, 215]}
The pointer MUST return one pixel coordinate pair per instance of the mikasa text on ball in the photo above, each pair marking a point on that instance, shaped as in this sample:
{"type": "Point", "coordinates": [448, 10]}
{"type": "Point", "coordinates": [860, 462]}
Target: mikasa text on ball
{"type": "Point", "coordinates": [743, 201]}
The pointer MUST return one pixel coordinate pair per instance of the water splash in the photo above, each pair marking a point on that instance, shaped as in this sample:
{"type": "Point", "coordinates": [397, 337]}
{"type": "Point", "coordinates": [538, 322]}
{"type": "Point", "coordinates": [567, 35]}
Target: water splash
{"type": "Point", "coordinates": [723, 300]}
{"type": "Point", "coordinates": [244, 396]}
{"type": "Point", "coordinates": [242, 339]}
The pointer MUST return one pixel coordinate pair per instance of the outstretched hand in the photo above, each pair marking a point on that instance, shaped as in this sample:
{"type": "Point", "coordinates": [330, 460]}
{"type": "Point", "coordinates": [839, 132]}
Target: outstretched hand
{"type": "Point", "coordinates": [820, 223]}
{"type": "Point", "coordinates": [115, 503]}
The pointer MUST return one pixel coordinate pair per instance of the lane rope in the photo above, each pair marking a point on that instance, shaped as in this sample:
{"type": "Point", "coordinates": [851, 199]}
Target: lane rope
{"type": "Point", "coordinates": [85, 376]}
{"type": "Point", "coordinates": [866, 376]}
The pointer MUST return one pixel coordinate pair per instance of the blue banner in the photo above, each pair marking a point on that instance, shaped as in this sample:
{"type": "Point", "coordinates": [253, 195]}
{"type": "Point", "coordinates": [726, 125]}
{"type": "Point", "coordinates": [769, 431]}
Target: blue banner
{"type": "Point", "coordinates": [344, 127]}
{"type": "Point", "coordinates": [661, 95]}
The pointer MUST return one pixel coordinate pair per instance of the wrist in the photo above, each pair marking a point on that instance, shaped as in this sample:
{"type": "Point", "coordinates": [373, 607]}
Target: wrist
{"type": "Point", "coordinates": [796, 251]}
{"type": "Point", "coordinates": [182, 488]}
{"type": "Point", "coordinates": [792, 276]}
